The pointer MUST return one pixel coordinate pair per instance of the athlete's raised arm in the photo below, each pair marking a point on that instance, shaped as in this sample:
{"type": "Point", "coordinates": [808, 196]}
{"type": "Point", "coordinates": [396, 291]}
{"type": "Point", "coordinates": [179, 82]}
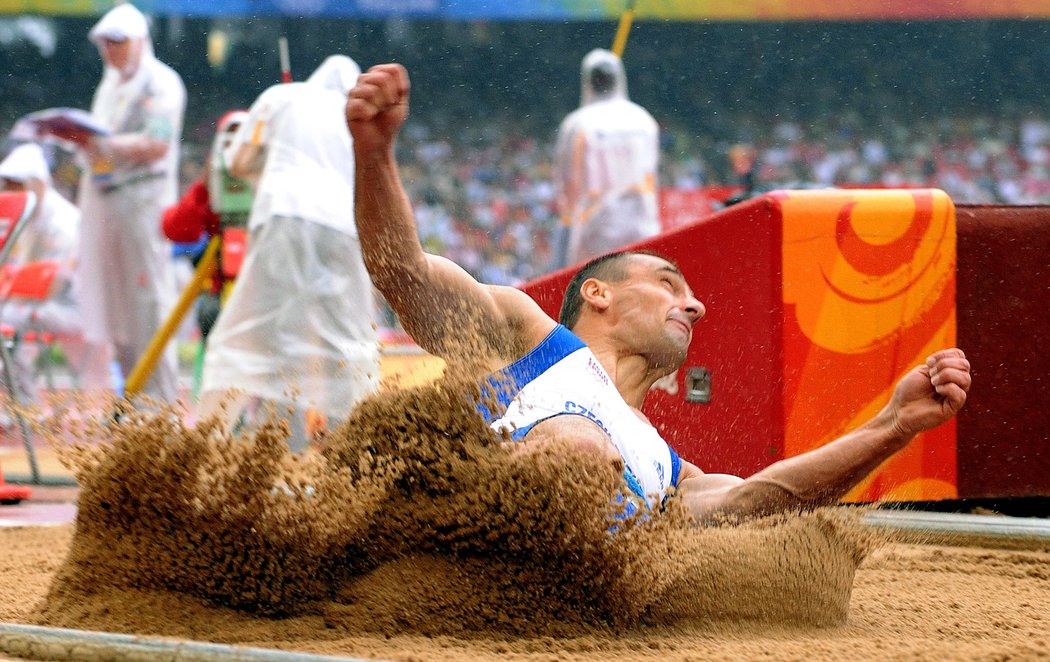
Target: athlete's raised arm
{"type": "Point", "coordinates": [438, 302]}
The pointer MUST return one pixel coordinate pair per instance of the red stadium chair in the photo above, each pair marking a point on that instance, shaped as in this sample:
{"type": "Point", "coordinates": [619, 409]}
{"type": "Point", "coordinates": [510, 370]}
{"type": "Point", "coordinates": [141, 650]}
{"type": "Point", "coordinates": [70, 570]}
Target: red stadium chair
{"type": "Point", "coordinates": [31, 284]}
{"type": "Point", "coordinates": [16, 208]}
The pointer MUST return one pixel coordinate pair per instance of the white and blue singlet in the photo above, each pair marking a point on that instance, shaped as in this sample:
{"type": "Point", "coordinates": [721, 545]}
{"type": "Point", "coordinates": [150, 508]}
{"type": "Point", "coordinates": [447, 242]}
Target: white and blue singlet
{"type": "Point", "coordinates": [562, 377]}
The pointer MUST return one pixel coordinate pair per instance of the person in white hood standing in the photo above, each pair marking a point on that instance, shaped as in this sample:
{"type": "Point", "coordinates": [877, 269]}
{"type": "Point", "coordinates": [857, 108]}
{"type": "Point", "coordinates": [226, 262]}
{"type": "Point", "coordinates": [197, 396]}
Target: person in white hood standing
{"type": "Point", "coordinates": [125, 274]}
{"type": "Point", "coordinates": [298, 330]}
{"type": "Point", "coordinates": [52, 235]}
{"type": "Point", "coordinates": [606, 160]}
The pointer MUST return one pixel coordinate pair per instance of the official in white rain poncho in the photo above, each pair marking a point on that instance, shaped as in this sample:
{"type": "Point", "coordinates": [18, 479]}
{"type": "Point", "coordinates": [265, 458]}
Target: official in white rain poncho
{"type": "Point", "coordinates": [51, 236]}
{"type": "Point", "coordinates": [298, 329]}
{"type": "Point", "coordinates": [606, 160]}
{"type": "Point", "coordinates": [126, 274]}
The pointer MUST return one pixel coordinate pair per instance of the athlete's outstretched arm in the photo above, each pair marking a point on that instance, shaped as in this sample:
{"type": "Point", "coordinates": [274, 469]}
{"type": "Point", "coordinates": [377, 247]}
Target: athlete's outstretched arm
{"type": "Point", "coordinates": [926, 397]}
{"type": "Point", "coordinates": [437, 301]}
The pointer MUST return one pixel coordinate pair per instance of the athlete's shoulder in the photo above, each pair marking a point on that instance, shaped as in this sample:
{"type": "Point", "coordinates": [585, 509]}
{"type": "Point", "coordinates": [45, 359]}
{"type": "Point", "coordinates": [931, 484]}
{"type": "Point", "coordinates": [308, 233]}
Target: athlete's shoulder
{"type": "Point", "coordinates": [522, 315]}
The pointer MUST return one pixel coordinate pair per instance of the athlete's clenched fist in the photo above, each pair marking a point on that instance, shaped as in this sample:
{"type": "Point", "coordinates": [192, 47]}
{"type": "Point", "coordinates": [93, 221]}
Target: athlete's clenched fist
{"type": "Point", "coordinates": [377, 106]}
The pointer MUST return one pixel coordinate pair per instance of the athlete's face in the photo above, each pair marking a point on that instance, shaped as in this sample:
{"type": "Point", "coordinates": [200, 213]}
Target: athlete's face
{"type": "Point", "coordinates": [656, 310]}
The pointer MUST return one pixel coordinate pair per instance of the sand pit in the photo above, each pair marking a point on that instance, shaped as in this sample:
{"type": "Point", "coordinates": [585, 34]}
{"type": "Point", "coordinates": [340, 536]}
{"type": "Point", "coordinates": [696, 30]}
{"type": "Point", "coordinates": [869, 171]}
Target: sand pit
{"type": "Point", "coordinates": [908, 602]}
{"type": "Point", "coordinates": [416, 535]}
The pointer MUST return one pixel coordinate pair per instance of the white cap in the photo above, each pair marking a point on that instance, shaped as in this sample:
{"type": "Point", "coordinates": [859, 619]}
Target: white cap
{"type": "Point", "coordinates": [121, 22]}
{"type": "Point", "coordinates": [26, 162]}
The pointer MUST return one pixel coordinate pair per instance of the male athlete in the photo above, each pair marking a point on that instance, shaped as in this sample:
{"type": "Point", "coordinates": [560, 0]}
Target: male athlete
{"type": "Point", "coordinates": [626, 322]}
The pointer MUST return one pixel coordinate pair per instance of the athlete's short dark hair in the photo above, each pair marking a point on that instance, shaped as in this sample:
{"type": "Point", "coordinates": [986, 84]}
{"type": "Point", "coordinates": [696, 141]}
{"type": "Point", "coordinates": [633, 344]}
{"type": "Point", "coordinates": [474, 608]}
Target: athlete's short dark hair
{"type": "Point", "coordinates": [611, 267]}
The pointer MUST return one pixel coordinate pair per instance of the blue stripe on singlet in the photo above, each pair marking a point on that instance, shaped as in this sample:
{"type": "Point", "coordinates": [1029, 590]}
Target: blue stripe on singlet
{"type": "Point", "coordinates": [632, 482]}
{"type": "Point", "coordinates": [505, 384]}
{"type": "Point", "coordinates": [630, 506]}
{"type": "Point", "coordinates": [676, 465]}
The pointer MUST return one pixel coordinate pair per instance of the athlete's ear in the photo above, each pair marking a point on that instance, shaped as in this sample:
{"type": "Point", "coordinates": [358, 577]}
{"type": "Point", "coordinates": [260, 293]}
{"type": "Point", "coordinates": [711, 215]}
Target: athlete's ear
{"type": "Point", "coordinates": [596, 293]}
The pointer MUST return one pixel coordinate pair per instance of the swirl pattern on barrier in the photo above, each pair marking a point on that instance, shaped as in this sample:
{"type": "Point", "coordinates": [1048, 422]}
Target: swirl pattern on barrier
{"type": "Point", "coordinates": [866, 264]}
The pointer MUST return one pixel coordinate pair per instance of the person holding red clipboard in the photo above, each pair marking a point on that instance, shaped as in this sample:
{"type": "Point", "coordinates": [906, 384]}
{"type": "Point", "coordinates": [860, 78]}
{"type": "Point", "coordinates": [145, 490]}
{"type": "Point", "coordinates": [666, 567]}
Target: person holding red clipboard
{"type": "Point", "coordinates": [131, 164]}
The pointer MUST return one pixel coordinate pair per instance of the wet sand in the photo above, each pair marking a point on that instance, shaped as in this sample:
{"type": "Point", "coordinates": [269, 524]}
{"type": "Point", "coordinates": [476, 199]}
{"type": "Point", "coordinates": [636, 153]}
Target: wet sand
{"type": "Point", "coordinates": [416, 535]}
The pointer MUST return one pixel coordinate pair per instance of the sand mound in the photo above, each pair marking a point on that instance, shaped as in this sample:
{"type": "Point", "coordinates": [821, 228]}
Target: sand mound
{"type": "Point", "coordinates": [416, 518]}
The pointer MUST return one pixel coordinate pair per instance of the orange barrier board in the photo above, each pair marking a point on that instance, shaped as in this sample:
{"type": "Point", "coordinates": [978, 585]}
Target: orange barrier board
{"type": "Point", "coordinates": [868, 292]}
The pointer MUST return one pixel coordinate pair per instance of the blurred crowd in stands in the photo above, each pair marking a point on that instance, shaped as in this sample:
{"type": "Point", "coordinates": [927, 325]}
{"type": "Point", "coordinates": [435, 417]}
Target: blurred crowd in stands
{"type": "Point", "coordinates": [484, 197]}
{"type": "Point", "coordinates": [947, 105]}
